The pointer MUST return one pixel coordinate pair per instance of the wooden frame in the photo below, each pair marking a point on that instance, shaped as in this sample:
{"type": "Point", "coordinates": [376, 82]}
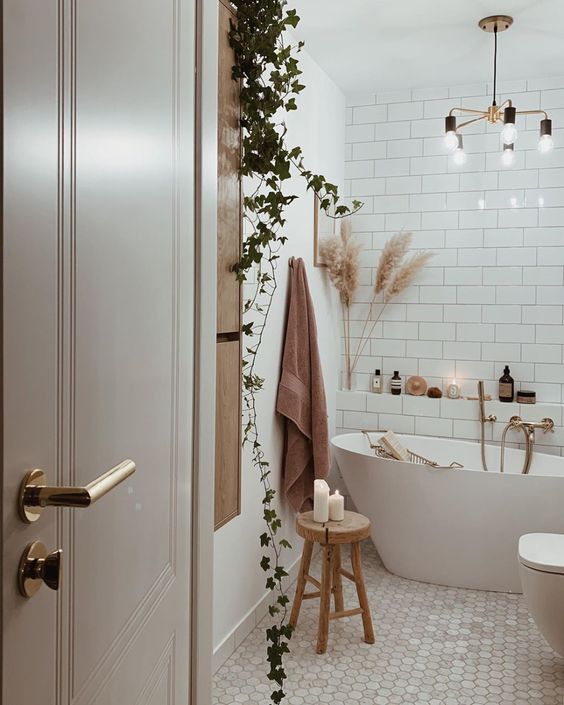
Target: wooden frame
{"type": "Point", "coordinates": [323, 226]}
{"type": "Point", "coordinates": [205, 342]}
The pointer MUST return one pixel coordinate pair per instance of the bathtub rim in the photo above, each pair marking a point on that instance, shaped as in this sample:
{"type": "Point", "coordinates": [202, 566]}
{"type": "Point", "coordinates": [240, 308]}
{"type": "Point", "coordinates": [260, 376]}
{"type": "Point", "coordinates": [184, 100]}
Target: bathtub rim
{"type": "Point", "coordinates": [537, 472]}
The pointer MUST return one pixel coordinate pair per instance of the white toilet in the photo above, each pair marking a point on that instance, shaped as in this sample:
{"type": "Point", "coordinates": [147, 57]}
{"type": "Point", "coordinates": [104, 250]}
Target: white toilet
{"type": "Point", "coordinates": [541, 558]}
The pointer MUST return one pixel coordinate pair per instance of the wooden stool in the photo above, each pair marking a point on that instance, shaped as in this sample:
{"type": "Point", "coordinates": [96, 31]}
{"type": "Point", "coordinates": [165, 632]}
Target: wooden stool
{"type": "Point", "coordinates": [353, 529]}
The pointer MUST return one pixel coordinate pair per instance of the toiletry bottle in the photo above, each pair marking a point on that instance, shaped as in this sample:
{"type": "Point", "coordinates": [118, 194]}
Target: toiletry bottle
{"type": "Point", "coordinates": [377, 382]}
{"type": "Point", "coordinates": [506, 386]}
{"type": "Point", "coordinates": [395, 383]}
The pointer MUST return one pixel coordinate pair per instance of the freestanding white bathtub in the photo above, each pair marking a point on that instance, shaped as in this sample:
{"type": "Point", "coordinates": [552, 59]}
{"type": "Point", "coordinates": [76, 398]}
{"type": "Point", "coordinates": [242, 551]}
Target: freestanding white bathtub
{"type": "Point", "coordinates": [457, 527]}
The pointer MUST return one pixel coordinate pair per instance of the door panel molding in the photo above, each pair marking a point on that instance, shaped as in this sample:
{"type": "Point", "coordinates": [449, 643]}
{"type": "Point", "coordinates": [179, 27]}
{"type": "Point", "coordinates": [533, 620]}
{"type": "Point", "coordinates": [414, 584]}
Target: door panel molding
{"type": "Point", "coordinates": [164, 669]}
{"type": "Point", "coordinates": [102, 673]}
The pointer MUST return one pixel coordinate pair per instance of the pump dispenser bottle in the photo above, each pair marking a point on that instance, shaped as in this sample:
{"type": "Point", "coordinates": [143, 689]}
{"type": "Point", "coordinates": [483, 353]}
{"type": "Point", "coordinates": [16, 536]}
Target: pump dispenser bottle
{"type": "Point", "coordinates": [506, 386]}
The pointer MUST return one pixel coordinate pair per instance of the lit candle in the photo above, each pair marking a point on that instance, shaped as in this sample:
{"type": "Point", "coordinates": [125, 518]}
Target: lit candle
{"type": "Point", "coordinates": [320, 501]}
{"type": "Point", "coordinates": [453, 390]}
{"type": "Point", "coordinates": [336, 507]}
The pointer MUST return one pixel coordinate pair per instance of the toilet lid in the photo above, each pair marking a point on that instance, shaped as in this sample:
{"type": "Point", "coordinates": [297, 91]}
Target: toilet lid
{"type": "Point", "coordinates": [543, 552]}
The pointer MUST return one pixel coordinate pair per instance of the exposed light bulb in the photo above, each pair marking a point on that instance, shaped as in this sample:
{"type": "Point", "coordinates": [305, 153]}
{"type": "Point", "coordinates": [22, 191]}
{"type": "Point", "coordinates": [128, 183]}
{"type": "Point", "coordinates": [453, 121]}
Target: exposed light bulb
{"type": "Point", "coordinates": [459, 156]}
{"type": "Point", "coordinates": [508, 156]}
{"type": "Point", "coordinates": [451, 141]}
{"type": "Point", "coordinates": [546, 143]}
{"type": "Point", "coordinates": [509, 133]}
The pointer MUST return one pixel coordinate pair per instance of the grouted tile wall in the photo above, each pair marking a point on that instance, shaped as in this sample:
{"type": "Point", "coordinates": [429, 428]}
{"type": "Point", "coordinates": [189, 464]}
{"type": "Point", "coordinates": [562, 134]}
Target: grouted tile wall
{"type": "Point", "coordinates": [494, 292]}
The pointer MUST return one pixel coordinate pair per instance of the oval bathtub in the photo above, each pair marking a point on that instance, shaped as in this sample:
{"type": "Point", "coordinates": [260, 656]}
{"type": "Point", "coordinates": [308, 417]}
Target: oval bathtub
{"type": "Point", "coordinates": [457, 527]}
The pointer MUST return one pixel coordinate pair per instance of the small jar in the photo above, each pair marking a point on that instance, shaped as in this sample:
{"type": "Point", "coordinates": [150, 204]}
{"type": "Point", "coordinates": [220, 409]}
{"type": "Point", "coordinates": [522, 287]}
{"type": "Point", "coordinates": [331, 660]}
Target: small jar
{"type": "Point", "coordinates": [525, 396]}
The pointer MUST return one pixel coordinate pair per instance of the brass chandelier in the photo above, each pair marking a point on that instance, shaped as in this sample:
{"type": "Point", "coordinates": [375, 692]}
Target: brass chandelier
{"type": "Point", "coordinates": [506, 112]}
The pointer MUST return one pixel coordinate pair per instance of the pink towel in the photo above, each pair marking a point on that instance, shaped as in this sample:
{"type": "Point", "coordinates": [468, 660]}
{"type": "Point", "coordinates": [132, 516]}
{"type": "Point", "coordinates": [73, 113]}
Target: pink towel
{"type": "Point", "coordinates": [301, 397]}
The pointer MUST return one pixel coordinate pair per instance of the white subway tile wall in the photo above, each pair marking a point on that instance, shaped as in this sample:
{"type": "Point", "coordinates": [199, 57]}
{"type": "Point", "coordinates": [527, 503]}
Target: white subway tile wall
{"type": "Point", "coordinates": [452, 418]}
{"type": "Point", "coordinates": [494, 292]}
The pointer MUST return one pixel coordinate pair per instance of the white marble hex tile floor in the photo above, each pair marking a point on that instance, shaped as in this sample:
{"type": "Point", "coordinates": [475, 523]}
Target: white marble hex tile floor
{"type": "Point", "coordinates": [435, 646]}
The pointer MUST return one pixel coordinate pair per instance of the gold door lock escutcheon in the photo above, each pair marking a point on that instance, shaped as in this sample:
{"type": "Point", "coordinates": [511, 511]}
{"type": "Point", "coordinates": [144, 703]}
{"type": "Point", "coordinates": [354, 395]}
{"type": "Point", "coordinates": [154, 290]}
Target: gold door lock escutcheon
{"type": "Point", "coordinates": [37, 566]}
{"type": "Point", "coordinates": [35, 494]}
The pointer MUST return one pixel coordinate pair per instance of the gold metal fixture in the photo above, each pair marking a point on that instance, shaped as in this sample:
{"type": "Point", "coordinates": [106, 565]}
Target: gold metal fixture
{"type": "Point", "coordinates": [495, 23]}
{"type": "Point", "coordinates": [528, 429]}
{"type": "Point", "coordinates": [38, 567]}
{"type": "Point", "coordinates": [35, 494]}
{"type": "Point", "coordinates": [483, 420]}
{"type": "Point", "coordinates": [415, 458]}
{"type": "Point", "coordinates": [495, 113]}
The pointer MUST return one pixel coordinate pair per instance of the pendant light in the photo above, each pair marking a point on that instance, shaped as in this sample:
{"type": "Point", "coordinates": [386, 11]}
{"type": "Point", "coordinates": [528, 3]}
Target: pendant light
{"type": "Point", "coordinates": [506, 112]}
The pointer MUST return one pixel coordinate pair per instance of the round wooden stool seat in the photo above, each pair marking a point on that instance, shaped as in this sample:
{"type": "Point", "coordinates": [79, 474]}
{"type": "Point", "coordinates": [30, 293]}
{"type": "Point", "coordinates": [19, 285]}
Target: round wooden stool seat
{"type": "Point", "coordinates": [354, 527]}
{"type": "Point", "coordinates": [332, 535]}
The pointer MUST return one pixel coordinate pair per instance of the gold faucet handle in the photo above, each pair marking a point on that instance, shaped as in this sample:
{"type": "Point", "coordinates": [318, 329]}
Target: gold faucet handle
{"type": "Point", "coordinates": [492, 418]}
{"type": "Point", "coordinates": [547, 425]}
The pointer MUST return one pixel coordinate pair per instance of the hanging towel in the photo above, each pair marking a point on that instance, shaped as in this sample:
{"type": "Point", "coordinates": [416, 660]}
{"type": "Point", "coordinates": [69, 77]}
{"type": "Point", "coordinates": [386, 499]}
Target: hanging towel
{"type": "Point", "coordinates": [301, 397]}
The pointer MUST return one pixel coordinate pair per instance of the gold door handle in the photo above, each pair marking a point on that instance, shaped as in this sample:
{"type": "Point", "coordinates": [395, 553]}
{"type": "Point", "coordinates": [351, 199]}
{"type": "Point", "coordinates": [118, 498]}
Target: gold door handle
{"type": "Point", "coordinates": [38, 567]}
{"type": "Point", "coordinates": [35, 494]}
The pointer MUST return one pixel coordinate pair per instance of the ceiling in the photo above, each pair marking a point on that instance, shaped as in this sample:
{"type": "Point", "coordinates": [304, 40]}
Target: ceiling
{"type": "Point", "coordinates": [370, 45]}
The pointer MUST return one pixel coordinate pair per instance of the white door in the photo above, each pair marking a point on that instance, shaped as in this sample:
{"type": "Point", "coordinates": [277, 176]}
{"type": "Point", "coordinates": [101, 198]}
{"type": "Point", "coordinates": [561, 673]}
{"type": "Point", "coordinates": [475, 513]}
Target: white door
{"type": "Point", "coordinates": [98, 345]}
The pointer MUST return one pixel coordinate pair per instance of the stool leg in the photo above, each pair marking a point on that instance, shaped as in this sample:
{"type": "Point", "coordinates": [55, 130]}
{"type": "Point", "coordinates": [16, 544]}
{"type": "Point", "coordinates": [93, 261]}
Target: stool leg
{"type": "Point", "coordinates": [325, 602]}
{"type": "Point", "coordinates": [337, 579]}
{"type": "Point", "coordinates": [301, 582]}
{"type": "Point", "coordinates": [361, 592]}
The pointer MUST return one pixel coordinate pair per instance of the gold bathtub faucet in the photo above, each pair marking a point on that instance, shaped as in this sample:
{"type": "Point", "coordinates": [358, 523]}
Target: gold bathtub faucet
{"type": "Point", "coordinates": [528, 429]}
{"type": "Point", "coordinates": [483, 420]}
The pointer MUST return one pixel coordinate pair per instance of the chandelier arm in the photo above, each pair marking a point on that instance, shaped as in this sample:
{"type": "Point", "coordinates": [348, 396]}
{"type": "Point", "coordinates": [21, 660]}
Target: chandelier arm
{"type": "Point", "coordinates": [483, 113]}
{"type": "Point", "coordinates": [533, 112]}
{"type": "Point", "coordinates": [469, 122]}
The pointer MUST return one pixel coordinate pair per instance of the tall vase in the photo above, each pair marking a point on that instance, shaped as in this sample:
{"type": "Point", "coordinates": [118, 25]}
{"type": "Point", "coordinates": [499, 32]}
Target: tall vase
{"type": "Point", "coordinates": [348, 381]}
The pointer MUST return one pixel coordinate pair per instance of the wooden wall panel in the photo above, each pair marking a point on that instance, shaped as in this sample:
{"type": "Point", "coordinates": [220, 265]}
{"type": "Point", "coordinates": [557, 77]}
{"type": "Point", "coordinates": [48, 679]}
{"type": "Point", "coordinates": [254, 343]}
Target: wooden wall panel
{"type": "Point", "coordinates": [229, 223]}
{"type": "Point", "coordinates": [229, 186]}
{"type": "Point", "coordinates": [227, 432]}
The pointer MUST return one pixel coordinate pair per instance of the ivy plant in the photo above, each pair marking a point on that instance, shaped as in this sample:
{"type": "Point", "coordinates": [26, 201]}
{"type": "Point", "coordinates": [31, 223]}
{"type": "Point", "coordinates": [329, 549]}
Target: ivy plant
{"type": "Point", "coordinates": [268, 72]}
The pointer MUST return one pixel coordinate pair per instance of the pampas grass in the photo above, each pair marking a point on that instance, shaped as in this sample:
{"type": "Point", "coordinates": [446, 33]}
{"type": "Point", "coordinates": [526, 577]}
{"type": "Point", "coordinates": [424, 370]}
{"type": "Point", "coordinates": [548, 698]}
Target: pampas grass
{"type": "Point", "coordinates": [394, 275]}
{"type": "Point", "coordinates": [392, 254]}
{"type": "Point", "coordinates": [406, 274]}
{"type": "Point", "coordinates": [340, 255]}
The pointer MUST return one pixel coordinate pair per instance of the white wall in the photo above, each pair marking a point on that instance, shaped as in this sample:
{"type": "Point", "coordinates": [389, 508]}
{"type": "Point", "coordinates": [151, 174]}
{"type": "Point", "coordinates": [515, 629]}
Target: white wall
{"type": "Point", "coordinates": [494, 294]}
{"type": "Point", "coordinates": [319, 127]}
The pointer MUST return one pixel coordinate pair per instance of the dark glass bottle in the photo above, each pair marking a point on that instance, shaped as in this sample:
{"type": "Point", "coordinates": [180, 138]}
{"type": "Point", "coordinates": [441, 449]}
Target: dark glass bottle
{"type": "Point", "coordinates": [506, 386]}
{"type": "Point", "coordinates": [395, 383]}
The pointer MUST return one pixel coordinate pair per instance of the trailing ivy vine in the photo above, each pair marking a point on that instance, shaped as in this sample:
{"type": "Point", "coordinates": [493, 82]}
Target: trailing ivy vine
{"type": "Point", "coordinates": [269, 76]}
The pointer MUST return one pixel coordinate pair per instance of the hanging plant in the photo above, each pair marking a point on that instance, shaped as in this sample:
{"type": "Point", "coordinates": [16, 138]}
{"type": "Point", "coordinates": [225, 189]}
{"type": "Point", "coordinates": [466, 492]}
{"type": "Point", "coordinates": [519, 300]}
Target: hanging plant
{"type": "Point", "coordinates": [269, 76]}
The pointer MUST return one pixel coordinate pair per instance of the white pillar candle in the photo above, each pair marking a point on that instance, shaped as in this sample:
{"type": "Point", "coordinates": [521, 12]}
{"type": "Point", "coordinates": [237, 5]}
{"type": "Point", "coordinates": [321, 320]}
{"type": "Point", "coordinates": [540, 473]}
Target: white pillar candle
{"type": "Point", "coordinates": [336, 507]}
{"type": "Point", "coordinates": [320, 501]}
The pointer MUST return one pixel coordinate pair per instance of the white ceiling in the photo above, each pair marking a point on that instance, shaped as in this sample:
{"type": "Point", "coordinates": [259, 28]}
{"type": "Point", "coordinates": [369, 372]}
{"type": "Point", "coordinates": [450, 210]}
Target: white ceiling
{"type": "Point", "coordinates": [370, 45]}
